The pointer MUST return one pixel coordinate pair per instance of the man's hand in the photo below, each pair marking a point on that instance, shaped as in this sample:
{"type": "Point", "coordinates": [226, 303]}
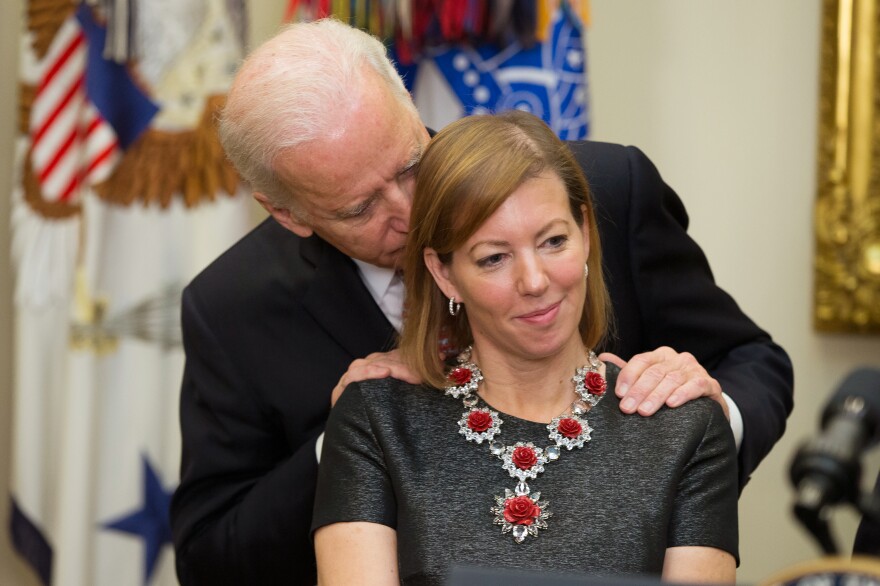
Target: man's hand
{"type": "Point", "coordinates": [651, 379]}
{"type": "Point", "coordinates": [376, 365]}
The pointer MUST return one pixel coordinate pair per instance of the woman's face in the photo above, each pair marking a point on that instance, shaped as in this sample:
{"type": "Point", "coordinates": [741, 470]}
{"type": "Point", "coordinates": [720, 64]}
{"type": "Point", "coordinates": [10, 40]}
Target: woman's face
{"type": "Point", "coordinates": [521, 275]}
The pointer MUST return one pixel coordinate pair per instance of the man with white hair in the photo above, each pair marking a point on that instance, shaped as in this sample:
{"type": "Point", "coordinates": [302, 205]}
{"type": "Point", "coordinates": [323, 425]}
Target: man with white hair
{"type": "Point", "coordinates": [321, 126]}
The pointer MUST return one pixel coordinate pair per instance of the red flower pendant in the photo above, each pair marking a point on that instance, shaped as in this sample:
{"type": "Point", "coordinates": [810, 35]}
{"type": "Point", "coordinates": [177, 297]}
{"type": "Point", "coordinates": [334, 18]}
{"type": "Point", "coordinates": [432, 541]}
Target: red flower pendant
{"type": "Point", "coordinates": [460, 376]}
{"type": "Point", "coordinates": [520, 513]}
{"type": "Point", "coordinates": [595, 383]}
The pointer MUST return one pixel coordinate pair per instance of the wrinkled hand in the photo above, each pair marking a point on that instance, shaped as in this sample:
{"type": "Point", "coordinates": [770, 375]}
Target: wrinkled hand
{"type": "Point", "coordinates": [651, 379]}
{"type": "Point", "coordinates": [376, 365]}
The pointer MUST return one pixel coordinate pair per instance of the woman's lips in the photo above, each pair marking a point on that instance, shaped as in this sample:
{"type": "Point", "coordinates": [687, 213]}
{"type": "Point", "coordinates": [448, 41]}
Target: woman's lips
{"type": "Point", "coordinates": [541, 316]}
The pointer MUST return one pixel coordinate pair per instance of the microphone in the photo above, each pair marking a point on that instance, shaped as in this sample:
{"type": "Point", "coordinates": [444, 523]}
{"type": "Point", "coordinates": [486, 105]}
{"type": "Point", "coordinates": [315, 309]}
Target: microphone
{"type": "Point", "coordinates": [827, 469]}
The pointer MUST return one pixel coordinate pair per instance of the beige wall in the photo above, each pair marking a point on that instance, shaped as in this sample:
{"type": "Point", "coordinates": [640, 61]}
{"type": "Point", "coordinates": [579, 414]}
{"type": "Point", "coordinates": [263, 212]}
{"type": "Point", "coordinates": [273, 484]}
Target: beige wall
{"type": "Point", "coordinates": [12, 571]}
{"type": "Point", "coordinates": [722, 96]}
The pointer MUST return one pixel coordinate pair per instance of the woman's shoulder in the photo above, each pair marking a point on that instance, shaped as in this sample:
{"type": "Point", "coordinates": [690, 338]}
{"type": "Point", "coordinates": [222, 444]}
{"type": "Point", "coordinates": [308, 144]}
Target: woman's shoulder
{"type": "Point", "coordinates": [700, 416]}
{"type": "Point", "coordinates": [702, 409]}
{"type": "Point", "coordinates": [695, 419]}
{"type": "Point", "coordinates": [391, 395]}
{"type": "Point", "coordinates": [384, 388]}
{"type": "Point", "coordinates": [699, 422]}
{"type": "Point", "coordinates": [390, 409]}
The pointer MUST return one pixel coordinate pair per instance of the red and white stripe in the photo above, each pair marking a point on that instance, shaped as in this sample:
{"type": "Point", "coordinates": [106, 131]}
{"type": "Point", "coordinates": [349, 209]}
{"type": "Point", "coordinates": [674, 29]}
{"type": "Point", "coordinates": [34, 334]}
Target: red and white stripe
{"type": "Point", "coordinates": [72, 144]}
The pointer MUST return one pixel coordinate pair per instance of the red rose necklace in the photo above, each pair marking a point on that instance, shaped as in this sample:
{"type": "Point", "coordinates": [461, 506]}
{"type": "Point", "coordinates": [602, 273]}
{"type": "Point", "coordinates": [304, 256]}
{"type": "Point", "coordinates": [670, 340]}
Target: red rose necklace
{"type": "Point", "coordinates": [520, 511]}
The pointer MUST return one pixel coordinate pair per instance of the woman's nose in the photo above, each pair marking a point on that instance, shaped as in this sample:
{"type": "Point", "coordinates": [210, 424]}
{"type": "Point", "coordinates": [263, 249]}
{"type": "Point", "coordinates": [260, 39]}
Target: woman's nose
{"type": "Point", "coordinates": [532, 278]}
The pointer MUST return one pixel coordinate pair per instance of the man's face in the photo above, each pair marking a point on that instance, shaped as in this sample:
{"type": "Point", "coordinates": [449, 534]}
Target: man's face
{"type": "Point", "coordinates": [355, 188]}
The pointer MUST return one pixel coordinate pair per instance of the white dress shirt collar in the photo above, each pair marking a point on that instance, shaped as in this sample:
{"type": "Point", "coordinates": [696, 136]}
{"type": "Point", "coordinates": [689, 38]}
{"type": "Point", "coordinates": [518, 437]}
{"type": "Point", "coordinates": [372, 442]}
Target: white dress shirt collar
{"type": "Point", "coordinates": [386, 287]}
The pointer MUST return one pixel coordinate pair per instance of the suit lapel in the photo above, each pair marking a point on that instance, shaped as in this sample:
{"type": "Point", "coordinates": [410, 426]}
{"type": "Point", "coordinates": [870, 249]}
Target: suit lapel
{"type": "Point", "coordinates": [340, 302]}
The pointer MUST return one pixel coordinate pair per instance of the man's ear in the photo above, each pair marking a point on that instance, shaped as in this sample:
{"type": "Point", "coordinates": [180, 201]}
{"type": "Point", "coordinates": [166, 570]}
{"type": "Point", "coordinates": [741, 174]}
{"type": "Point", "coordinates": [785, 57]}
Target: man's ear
{"type": "Point", "coordinates": [440, 272]}
{"type": "Point", "coordinates": [283, 216]}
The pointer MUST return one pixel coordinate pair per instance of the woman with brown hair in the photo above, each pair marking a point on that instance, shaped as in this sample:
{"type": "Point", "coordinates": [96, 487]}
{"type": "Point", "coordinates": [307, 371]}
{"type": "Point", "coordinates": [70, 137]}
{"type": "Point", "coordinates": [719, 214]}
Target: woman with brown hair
{"type": "Point", "coordinates": [524, 461]}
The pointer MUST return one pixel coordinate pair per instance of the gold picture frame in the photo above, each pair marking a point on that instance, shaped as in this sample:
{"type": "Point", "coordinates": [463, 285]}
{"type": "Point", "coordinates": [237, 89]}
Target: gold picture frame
{"type": "Point", "coordinates": [847, 212]}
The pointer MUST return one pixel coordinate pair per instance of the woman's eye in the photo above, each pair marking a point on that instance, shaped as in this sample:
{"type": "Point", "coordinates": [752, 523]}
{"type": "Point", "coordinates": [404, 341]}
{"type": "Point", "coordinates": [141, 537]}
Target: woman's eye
{"type": "Point", "coordinates": [556, 241]}
{"type": "Point", "coordinates": [491, 260]}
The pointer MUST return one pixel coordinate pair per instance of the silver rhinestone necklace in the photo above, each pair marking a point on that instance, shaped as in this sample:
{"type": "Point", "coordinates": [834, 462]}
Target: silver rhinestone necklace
{"type": "Point", "coordinates": [520, 511]}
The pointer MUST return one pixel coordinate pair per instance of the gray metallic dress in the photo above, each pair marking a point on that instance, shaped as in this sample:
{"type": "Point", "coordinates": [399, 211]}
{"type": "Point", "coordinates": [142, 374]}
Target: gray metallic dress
{"type": "Point", "coordinates": [392, 455]}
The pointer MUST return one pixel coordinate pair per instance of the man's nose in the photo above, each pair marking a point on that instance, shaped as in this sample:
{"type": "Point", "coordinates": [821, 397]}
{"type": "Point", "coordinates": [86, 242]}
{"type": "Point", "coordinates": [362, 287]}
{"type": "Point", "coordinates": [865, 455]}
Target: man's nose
{"type": "Point", "coordinates": [399, 200]}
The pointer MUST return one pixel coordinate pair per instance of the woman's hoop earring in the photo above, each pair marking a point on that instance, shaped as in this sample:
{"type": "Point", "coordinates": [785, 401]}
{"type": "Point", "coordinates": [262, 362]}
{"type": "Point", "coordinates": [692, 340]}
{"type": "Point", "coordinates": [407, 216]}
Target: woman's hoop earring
{"type": "Point", "coordinates": [454, 307]}
{"type": "Point", "coordinates": [586, 271]}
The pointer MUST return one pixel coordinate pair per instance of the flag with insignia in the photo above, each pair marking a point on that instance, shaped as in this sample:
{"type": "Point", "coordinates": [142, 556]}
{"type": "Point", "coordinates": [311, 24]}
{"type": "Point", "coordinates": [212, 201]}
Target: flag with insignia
{"type": "Point", "coordinates": [547, 79]}
{"type": "Point", "coordinates": [461, 58]}
{"type": "Point", "coordinates": [122, 195]}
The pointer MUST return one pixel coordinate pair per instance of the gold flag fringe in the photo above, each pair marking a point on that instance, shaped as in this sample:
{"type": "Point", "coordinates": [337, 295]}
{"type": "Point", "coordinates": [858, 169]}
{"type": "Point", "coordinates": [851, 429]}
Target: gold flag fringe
{"type": "Point", "coordinates": [160, 164]}
{"type": "Point", "coordinates": [26, 95]}
{"type": "Point", "coordinates": [44, 18]}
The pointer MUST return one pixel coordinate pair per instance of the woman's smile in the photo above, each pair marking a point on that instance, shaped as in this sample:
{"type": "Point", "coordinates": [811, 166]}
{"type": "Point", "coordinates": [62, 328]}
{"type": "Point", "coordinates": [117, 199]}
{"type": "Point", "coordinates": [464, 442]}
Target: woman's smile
{"type": "Point", "coordinates": [542, 316]}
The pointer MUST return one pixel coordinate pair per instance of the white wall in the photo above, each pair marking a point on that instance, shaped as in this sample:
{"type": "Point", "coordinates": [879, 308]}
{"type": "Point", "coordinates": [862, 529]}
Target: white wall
{"type": "Point", "coordinates": [723, 97]}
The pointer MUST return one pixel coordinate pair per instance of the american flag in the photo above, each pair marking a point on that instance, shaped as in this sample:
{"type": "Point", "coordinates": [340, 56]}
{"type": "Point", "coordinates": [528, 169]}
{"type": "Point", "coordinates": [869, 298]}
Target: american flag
{"type": "Point", "coordinates": [85, 112]}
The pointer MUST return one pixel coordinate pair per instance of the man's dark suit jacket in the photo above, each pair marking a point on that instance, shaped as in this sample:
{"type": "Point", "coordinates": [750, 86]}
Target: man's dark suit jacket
{"type": "Point", "coordinates": [273, 323]}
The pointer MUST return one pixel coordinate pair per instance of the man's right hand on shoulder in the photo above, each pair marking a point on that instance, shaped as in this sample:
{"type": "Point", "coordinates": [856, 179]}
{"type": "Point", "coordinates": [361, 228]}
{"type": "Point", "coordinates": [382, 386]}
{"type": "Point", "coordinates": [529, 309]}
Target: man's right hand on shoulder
{"type": "Point", "coordinates": [375, 366]}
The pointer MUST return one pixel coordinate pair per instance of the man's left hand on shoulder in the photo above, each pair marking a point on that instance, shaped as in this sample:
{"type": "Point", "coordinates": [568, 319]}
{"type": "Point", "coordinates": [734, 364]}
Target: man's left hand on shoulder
{"type": "Point", "coordinates": [663, 376]}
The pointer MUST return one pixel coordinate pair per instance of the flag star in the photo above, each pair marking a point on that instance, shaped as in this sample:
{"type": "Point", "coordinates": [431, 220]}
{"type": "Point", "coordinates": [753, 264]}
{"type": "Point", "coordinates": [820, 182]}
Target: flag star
{"type": "Point", "coordinates": [151, 521]}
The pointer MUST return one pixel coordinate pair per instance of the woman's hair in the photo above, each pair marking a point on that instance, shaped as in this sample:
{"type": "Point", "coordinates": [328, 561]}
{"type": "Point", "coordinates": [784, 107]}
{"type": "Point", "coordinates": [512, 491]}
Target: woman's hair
{"type": "Point", "coordinates": [288, 91]}
{"type": "Point", "coordinates": [468, 170]}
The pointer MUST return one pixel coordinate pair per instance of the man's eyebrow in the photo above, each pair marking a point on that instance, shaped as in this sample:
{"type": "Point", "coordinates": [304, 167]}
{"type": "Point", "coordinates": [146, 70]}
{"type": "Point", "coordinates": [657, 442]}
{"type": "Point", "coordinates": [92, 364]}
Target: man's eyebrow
{"type": "Point", "coordinates": [414, 158]}
{"type": "Point", "coordinates": [355, 210]}
{"type": "Point", "coordinates": [359, 208]}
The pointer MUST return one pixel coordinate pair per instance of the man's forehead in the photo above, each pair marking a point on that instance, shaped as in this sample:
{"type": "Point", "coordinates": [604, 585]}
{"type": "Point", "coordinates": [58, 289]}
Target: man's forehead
{"type": "Point", "coordinates": [330, 175]}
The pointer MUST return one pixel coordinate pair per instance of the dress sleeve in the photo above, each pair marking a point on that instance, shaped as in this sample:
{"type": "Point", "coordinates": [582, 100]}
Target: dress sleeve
{"type": "Point", "coordinates": [705, 509]}
{"type": "Point", "coordinates": [353, 479]}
